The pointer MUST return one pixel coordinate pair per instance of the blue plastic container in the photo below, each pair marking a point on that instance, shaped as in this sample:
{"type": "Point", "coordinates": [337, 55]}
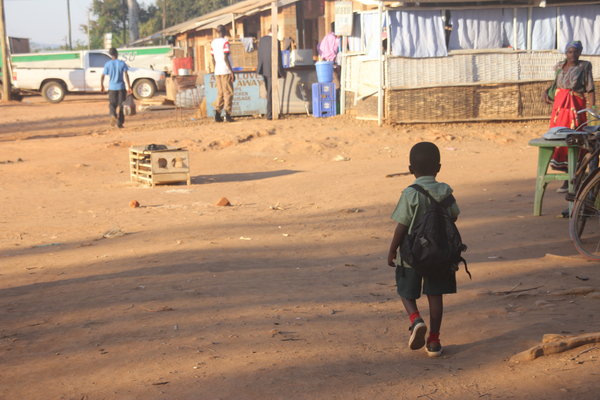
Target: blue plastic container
{"type": "Point", "coordinates": [323, 100]}
{"type": "Point", "coordinates": [285, 58]}
{"type": "Point", "coordinates": [322, 91]}
{"type": "Point", "coordinates": [324, 71]}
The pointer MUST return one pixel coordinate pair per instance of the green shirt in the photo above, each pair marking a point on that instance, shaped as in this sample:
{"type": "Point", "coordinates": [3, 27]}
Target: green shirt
{"type": "Point", "coordinates": [413, 205]}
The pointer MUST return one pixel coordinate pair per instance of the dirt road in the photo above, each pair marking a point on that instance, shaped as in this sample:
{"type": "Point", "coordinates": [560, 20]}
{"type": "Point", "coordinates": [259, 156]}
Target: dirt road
{"type": "Point", "coordinates": [285, 294]}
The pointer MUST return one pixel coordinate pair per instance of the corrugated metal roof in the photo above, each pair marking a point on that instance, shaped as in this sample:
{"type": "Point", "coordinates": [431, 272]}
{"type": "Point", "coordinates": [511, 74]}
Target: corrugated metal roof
{"type": "Point", "coordinates": [221, 16]}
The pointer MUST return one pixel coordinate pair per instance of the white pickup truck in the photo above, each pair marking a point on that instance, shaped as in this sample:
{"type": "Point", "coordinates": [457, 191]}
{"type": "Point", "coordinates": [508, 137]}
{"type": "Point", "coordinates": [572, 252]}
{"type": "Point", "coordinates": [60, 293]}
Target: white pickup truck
{"type": "Point", "coordinates": [58, 73]}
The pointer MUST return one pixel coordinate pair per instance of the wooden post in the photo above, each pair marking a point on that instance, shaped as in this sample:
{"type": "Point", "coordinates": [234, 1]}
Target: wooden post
{"type": "Point", "coordinates": [381, 69]}
{"type": "Point", "coordinates": [164, 21]}
{"type": "Point", "coordinates": [559, 45]}
{"type": "Point", "coordinates": [233, 32]}
{"type": "Point", "coordinates": [88, 30]}
{"type": "Point", "coordinates": [5, 59]}
{"type": "Point", "coordinates": [274, 62]}
{"type": "Point", "coordinates": [529, 29]}
{"type": "Point", "coordinates": [69, 20]}
{"type": "Point", "coordinates": [344, 62]}
{"type": "Point", "coordinates": [515, 30]}
{"type": "Point", "coordinates": [164, 15]}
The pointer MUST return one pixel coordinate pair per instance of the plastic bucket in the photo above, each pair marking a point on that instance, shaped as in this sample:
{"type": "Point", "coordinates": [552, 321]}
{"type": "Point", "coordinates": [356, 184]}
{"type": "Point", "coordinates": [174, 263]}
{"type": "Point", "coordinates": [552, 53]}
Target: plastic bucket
{"type": "Point", "coordinates": [324, 71]}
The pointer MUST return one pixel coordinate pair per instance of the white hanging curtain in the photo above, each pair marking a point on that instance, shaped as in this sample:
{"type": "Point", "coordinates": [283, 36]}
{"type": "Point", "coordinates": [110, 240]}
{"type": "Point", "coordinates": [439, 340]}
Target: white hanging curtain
{"type": "Point", "coordinates": [508, 28]}
{"type": "Point", "coordinates": [578, 23]}
{"type": "Point", "coordinates": [476, 29]}
{"type": "Point", "coordinates": [417, 34]}
{"type": "Point", "coordinates": [372, 34]}
{"type": "Point", "coordinates": [543, 34]}
{"type": "Point", "coordinates": [354, 41]}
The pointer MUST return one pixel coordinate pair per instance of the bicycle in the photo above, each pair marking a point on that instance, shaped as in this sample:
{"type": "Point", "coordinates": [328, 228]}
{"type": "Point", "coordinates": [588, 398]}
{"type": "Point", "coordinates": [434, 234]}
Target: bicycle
{"type": "Point", "coordinates": [584, 218]}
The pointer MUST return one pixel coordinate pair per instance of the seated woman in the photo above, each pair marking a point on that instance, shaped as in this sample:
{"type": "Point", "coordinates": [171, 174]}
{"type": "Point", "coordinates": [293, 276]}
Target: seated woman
{"type": "Point", "coordinates": [573, 79]}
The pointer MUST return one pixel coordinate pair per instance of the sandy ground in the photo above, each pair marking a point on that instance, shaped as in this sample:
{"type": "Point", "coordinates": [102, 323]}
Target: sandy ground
{"type": "Point", "coordinates": [286, 294]}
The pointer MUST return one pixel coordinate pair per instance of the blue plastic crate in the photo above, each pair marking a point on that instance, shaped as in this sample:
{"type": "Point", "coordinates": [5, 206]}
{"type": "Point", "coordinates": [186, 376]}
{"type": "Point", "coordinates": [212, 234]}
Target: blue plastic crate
{"type": "Point", "coordinates": [324, 108]}
{"type": "Point", "coordinates": [323, 91]}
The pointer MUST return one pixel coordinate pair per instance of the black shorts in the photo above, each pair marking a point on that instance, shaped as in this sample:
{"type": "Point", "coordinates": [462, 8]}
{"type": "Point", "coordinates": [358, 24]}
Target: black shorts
{"type": "Point", "coordinates": [409, 284]}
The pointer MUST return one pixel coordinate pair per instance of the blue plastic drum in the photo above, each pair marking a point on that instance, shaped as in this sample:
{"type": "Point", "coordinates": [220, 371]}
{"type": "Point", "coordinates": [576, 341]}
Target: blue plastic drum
{"type": "Point", "coordinates": [324, 71]}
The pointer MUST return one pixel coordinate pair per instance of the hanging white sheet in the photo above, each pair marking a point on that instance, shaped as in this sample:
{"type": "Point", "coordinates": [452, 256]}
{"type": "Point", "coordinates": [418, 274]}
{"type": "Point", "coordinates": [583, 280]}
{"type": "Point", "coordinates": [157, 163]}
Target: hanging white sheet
{"type": "Point", "coordinates": [354, 41]}
{"type": "Point", "coordinates": [543, 33]}
{"type": "Point", "coordinates": [417, 34]}
{"type": "Point", "coordinates": [577, 23]}
{"type": "Point", "coordinates": [372, 33]}
{"type": "Point", "coordinates": [508, 28]}
{"type": "Point", "coordinates": [476, 29]}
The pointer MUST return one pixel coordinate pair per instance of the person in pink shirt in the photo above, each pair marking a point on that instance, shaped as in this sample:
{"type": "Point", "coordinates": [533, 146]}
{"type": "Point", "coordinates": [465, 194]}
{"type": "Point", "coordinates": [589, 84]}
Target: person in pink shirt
{"type": "Point", "coordinates": [328, 49]}
{"type": "Point", "coordinates": [329, 46]}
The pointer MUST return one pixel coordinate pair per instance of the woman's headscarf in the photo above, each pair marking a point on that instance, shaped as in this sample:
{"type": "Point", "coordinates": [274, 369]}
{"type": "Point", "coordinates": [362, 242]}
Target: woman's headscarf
{"type": "Point", "coordinates": [576, 44]}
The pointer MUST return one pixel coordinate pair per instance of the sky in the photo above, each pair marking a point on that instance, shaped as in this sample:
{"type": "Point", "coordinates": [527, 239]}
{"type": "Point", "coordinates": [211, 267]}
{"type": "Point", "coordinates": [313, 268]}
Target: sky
{"type": "Point", "coordinates": [46, 22]}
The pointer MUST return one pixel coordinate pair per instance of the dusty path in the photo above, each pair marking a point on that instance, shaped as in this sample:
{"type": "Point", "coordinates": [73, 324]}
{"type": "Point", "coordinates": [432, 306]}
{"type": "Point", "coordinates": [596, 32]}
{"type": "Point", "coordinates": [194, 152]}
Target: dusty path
{"type": "Point", "coordinates": [284, 295]}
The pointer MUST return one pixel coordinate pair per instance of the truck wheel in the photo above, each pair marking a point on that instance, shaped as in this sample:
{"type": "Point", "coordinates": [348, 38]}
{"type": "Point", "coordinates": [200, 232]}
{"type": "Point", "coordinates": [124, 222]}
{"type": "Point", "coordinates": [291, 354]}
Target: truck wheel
{"type": "Point", "coordinates": [53, 91]}
{"type": "Point", "coordinates": [144, 89]}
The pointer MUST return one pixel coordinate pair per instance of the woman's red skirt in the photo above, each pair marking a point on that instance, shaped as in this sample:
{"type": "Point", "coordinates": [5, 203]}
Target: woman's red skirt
{"type": "Point", "coordinates": [564, 113]}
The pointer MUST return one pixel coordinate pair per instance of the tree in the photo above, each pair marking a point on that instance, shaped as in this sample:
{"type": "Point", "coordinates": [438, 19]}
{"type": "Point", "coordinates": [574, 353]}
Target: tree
{"type": "Point", "coordinates": [182, 10]}
{"type": "Point", "coordinates": [150, 20]}
{"type": "Point", "coordinates": [112, 16]}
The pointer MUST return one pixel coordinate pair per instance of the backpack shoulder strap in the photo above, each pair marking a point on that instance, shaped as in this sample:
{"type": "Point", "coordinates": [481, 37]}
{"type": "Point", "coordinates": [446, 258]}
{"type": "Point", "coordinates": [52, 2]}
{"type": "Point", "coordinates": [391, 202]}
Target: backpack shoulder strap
{"type": "Point", "coordinates": [422, 190]}
{"type": "Point", "coordinates": [446, 203]}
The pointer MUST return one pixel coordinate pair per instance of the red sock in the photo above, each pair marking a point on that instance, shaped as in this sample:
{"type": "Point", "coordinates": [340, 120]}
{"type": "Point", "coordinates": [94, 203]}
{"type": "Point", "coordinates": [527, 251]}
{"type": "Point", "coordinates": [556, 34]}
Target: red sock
{"type": "Point", "coordinates": [414, 316]}
{"type": "Point", "coordinates": [433, 337]}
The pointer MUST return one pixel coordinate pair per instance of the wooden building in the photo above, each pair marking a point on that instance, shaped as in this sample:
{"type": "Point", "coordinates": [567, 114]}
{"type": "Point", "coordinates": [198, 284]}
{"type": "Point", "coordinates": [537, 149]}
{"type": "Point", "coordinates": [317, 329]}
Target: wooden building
{"type": "Point", "coordinates": [305, 22]}
{"type": "Point", "coordinates": [385, 76]}
{"type": "Point", "coordinates": [491, 59]}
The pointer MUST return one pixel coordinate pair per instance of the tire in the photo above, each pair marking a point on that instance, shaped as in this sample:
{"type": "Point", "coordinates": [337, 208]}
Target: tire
{"type": "Point", "coordinates": [584, 225]}
{"type": "Point", "coordinates": [53, 91]}
{"type": "Point", "coordinates": [144, 89]}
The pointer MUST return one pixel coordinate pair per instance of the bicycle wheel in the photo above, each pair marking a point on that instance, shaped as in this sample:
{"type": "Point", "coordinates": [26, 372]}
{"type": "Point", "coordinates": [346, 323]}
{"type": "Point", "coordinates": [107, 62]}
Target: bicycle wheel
{"type": "Point", "coordinates": [584, 225]}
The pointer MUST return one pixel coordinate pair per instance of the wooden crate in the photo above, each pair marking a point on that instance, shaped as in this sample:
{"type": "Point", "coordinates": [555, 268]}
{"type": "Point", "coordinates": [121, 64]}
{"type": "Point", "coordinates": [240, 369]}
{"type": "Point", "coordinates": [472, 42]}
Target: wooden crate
{"type": "Point", "coordinates": [153, 167]}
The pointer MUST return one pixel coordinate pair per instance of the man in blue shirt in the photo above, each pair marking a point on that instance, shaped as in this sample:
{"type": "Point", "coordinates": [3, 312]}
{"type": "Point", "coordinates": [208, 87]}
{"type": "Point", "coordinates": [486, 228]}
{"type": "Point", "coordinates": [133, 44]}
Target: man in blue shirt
{"type": "Point", "coordinates": [116, 70]}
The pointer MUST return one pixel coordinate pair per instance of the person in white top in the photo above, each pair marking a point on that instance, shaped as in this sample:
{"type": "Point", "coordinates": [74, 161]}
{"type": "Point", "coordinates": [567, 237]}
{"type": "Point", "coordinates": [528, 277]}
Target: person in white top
{"type": "Point", "coordinates": [224, 76]}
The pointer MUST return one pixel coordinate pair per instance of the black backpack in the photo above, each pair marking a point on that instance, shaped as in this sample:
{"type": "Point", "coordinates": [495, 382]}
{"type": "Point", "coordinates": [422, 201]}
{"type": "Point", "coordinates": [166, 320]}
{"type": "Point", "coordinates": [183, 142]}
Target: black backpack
{"type": "Point", "coordinates": [433, 247]}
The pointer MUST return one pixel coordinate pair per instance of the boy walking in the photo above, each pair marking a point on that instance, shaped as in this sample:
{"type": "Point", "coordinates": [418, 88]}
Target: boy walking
{"type": "Point", "coordinates": [118, 82]}
{"type": "Point", "coordinates": [224, 76]}
{"type": "Point", "coordinates": [424, 165]}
